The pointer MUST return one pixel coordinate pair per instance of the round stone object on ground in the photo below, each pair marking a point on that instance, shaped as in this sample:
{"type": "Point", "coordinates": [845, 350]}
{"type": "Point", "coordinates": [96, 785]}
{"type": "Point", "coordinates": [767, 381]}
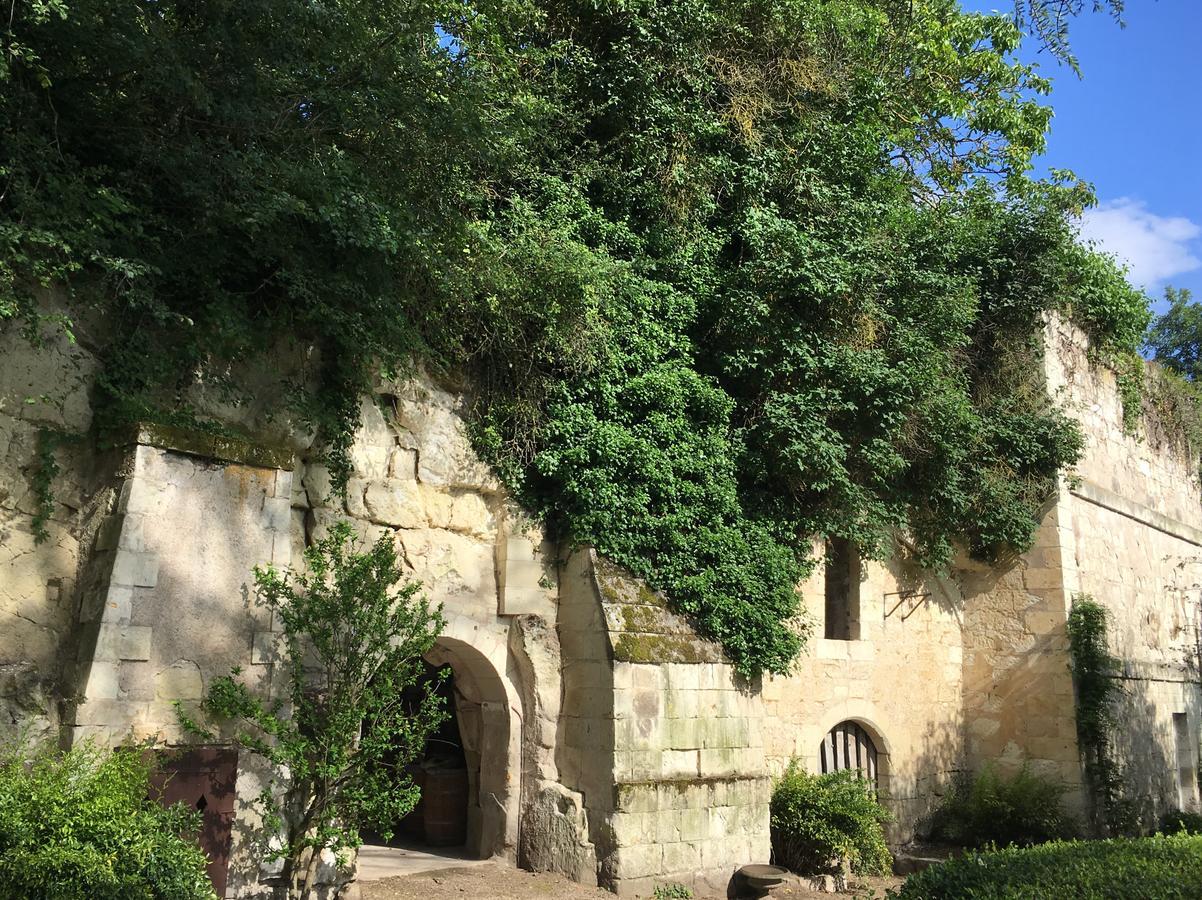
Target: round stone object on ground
{"type": "Point", "coordinates": [761, 879]}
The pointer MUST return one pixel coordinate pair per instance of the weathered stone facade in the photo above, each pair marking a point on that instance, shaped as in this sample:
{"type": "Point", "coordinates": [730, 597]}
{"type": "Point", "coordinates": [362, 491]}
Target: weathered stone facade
{"type": "Point", "coordinates": [604, 739]}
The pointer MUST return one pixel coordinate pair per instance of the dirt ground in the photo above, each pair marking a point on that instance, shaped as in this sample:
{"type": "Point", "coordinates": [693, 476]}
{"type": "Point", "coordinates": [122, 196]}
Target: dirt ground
{"type": "Point", "coordinates": [499, 882]}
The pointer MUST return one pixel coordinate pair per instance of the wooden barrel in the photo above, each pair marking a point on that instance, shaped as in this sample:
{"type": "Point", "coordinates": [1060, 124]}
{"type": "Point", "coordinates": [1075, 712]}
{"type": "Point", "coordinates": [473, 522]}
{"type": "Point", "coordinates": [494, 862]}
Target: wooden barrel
{"type": "Point", "coordinates": [444, 802]}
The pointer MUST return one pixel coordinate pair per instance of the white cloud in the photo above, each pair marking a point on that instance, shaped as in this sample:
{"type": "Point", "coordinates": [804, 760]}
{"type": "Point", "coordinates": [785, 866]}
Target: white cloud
{"type": "Point", "coordinates": [1156, 248]}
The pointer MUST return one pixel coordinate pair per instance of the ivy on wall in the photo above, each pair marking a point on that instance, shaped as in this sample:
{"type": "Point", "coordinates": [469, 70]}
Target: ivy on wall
{"type": "Point", "coordinates": [725, 275]}
{"type": "Point", "coordinates": [1095, 673]}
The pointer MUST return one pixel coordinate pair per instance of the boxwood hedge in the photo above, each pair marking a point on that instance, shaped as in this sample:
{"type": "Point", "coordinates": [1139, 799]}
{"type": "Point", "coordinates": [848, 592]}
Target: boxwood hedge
{"type": "Point", "coordinates": [1161, 867]}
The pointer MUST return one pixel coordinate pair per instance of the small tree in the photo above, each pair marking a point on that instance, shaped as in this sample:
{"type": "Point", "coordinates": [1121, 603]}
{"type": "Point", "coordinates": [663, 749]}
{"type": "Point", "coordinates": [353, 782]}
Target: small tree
{"type": "Point", "coordinates": [353, 641]}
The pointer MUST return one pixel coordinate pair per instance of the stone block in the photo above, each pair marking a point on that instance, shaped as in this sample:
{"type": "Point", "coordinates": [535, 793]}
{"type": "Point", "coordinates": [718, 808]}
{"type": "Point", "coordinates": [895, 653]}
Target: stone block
{"type": "Point", "coordinates": [180, 681]}
{"type": "Point", "coordinates": [682, 734]}
{"type": "Point", "coordinates": [645, 703]}
{"type": "Point", "coordinates": [114, 713]}
{"type": "Point", "coordinates": [276, 514]}
{"type": "Point", "coordinates": [645, 677]}
{"type": "Point", "coordinates": [681, 763]}
{"type": "Point", "coordinates": [353, 502]}
{"type": "Point", "coordinates": [684, 703]}
{"type": "Point", "coordinates": [827, 649]}
{"type": "Point", "coordinates": [117, 642]}
{"type": "Point", "coordinates": [395, 502]}
{"type": "Point", "coordinates": [635, 828]}
{"type": "Point", "coordinates": [470, 515]}
{"type": "Point", "coordinates": [118, 605]}
{"type": "Point", "coordinates": [103, 681]}
{"type": "Point", "coordinates": [136, 681]}
{"type": "Point", "coordinates": [638, 861]}
{"type": "Point", "coordinates": [646, 765]}
{"type": "Point", "coordinates": [718, 762]}
{"type": "Point", "coordinates": [681, 857]}
{"type": "Point", "coordinates": [694, 824]}
{"type": "Point", "coordinates": [438, 505]}
{"type": "Point", "coordinates": [136, 569]}
{"type": "Point", "coordinates": [319, 488]}
{"type": "Point", "coordinates": [683, 676]}
{"type": "Point", "coordinates": [139, 495]}
{"type": "Point", "coordinates": [637, 798]}
{"type": "Point", "coordinates": [1043, 579]}
{"type": "Point", "coordinates": [102, 735]}
{"type": "Point", "coordinates": [861, 650]}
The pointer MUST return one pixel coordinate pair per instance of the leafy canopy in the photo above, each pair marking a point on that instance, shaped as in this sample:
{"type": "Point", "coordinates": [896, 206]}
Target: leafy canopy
{"type": "Point", "coordinates": [726, 275]}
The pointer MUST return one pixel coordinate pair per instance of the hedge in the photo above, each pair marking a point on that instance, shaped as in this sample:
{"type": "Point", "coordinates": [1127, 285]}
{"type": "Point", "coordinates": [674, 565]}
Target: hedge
{"type": "Point", "coordinates": [1160, 867]}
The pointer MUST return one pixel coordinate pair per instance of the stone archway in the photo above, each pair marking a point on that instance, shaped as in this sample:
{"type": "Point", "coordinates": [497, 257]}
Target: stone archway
{"type": "Point", "coordinates": [488, 708]}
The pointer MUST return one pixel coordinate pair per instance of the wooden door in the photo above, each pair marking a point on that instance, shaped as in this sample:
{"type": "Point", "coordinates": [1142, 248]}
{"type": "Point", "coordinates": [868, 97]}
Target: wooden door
{"type": "Point", "coordinates": [848, 746]}
{"type": "Point", "coordinates": [204, 779]}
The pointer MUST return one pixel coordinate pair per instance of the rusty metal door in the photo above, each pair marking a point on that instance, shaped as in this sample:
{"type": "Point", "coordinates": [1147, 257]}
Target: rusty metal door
{"type": "Point", "coordinates": [202, 778]}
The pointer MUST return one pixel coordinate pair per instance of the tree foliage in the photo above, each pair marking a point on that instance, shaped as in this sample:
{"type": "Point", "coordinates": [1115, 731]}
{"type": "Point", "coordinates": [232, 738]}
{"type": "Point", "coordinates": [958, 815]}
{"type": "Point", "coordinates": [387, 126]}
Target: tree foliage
{"type": "Point", "coordinates": [1049, 21]}
{"type": "Point", "coordinates": [353, 641]}
{"type": "Point", "coordinates": [1175, 338]}
{"type": "Point", "coordinates": [726, 275]}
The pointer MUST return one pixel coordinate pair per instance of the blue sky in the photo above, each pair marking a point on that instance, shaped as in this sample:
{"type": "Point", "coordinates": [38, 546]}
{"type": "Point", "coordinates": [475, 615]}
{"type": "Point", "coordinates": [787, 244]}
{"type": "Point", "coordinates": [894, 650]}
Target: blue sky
{"type": "Point", "coordinates": [1132, 125]}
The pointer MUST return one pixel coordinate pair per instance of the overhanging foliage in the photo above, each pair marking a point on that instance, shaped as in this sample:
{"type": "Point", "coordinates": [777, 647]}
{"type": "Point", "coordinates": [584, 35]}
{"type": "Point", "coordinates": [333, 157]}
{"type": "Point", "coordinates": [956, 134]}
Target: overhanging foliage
{"type": "Point", "coordinates": [728, 275]}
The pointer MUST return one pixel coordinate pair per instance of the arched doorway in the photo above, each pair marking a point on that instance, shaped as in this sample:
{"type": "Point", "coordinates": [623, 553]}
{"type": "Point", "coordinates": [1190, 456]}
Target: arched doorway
{"type": "Point", "coordinates": [486, 728]}
{"type": "Point", "coordinates": [491, 742]}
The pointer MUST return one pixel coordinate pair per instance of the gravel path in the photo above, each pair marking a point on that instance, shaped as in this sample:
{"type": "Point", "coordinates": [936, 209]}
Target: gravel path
{"type": "Point", "coordinates": [502, 882]}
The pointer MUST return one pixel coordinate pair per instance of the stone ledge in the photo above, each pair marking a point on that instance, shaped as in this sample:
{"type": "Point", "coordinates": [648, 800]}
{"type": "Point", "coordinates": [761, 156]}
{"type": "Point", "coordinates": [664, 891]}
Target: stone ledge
{"type": "Point", "coordinates": [214, 446]}
{"type": "Point", "coordinates": [1116, 503]}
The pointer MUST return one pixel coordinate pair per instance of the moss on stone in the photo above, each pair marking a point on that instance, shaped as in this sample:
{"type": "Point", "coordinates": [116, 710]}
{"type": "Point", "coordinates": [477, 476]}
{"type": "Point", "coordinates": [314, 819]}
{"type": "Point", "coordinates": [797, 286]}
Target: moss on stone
{"type": "Point", "coordinates": [663, 648]}
{"type": "Point", "coordinates": [225, 447]}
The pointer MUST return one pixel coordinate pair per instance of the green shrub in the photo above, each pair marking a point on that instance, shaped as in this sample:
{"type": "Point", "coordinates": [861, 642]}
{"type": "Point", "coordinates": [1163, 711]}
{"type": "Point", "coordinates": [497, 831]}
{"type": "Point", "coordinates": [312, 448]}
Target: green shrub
{"type": "Point", "coordinates": [992, 809]}
{"type": "Point", "coordinates": [80, 826]}
{"type": "Point", "coordinates": [1178, 820]}
{"type": "Point", "coordinates": [1164, 868]}
{"type": "Point", "coordinates": [818, 820]}
{"type": "Point", "coordinates": [672, 891]}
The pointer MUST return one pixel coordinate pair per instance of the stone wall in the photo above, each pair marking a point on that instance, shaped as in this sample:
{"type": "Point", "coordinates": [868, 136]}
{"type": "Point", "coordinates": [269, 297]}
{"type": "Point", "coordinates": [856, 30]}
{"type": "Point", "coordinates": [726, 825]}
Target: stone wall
{"type": "Point", "coordinates": [604, 739]}
{"type": "Point", "coordinates": [1018, 689]}
{"type": "Point", "coordinates": [1133, 539]}
{"type": "Point", "coordinates": [901, 681]}
{"type": "Point", "coordinates": [42, 396]}
{"type": "Point", "coordinates": [1125, 529]}
{"type": "Point", "coordinates": [660, 735]}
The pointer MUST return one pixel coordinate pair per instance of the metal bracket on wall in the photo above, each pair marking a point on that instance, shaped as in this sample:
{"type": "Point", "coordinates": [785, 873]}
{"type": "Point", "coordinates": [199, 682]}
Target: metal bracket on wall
{"type": "Point", "coordinates": [907, 601]}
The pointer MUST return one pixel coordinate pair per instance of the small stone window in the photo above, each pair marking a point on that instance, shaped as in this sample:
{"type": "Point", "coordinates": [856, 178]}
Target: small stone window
{"type": "Point", "coordinates": [842, 621]}
{"type": "Point", "coordinates": [848, 746]}
{"type": "Point", "coordinates": [1187, 763]}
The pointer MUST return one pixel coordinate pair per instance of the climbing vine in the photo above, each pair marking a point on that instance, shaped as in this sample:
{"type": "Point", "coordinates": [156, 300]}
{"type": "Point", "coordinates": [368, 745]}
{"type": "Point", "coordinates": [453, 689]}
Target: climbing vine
{"type": "Point", "coordinates": [46, 469]}
{"type": "Point", "coordinates": [724, 275]}
{"type": "Point", "coordinates": [1098, 689]}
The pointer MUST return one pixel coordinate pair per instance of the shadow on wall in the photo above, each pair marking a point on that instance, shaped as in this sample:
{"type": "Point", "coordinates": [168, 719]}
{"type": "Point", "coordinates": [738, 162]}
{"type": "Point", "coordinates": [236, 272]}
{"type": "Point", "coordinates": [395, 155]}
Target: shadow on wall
{"type": "Point", "coordinates": [1156, 751]}
{"type": "Point", "coordinates": [917, 786]}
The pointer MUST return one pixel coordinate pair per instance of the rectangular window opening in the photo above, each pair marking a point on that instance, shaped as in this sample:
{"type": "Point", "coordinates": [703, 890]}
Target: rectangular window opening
{"type": "Point", "coordinates": [842, 590]}
{"type": "Point", "coordinates": [1187, 764]}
